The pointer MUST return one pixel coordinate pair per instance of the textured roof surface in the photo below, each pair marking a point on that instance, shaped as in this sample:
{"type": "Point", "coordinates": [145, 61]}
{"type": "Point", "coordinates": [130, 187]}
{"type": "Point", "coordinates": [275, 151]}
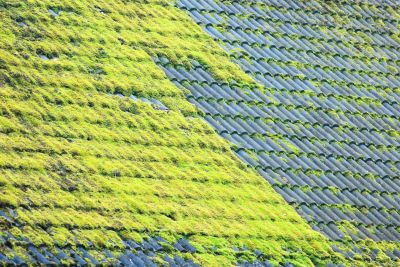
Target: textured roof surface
{"type": "Point", "coordinates": [103, 160]}
{"type": "Point", "coordinates": [323, 127]}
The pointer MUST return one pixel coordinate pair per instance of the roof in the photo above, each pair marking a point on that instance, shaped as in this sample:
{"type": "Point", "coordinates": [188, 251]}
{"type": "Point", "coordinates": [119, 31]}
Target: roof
{"type": "Point", "coordinates": [323, 127]}
{"type": "Point", "coordinates": [131, 135]}
{"type": "Point", "coordinates": [103, 160]}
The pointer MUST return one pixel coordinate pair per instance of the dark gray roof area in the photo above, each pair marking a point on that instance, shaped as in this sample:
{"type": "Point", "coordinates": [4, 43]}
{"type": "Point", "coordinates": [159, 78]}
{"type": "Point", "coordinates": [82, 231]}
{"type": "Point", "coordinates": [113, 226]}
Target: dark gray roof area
{"type": "Point", "coordinates": [324, 129]}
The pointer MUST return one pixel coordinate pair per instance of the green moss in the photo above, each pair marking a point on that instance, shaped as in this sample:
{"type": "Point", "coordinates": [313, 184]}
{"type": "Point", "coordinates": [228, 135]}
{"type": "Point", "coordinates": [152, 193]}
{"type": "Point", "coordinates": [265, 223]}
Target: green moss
{"type": "Point", "coordinates": [81, 166]}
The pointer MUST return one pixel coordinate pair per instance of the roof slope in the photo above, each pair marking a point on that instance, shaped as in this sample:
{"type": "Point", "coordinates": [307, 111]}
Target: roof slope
{"type": "Point", "coordinates": [91, 174]}
{"type": "Point", "coordinates": [323, 127]}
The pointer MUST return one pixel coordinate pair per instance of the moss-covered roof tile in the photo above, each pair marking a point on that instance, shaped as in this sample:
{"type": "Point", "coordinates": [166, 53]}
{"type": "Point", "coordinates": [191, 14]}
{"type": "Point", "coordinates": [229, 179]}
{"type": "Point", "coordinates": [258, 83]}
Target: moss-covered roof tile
{"type": "Point", "coordinates": [104, 161]}
{"type": "Point", "coordinates": [321, 124]}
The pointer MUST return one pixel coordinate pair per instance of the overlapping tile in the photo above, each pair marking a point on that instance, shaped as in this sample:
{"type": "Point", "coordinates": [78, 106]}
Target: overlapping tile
{"type": "Point", "coordinates": [323, 127]}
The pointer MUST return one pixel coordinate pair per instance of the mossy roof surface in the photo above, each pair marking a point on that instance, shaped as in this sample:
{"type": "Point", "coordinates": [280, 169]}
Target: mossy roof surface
{"type": "Point", "coordinates": [322, 124]}
{"type": "Point", "coordinates": [103, 160]}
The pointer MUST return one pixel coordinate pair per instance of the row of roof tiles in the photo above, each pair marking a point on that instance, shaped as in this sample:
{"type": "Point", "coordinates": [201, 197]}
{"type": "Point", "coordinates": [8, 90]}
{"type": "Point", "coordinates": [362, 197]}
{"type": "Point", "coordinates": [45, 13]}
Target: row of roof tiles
{"type": "Point", "coordinates": [304, 7]}
{"type": "Point", "coordinates": [135, 254]}
{"type": "Point", "coordinates": [295, 17]}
